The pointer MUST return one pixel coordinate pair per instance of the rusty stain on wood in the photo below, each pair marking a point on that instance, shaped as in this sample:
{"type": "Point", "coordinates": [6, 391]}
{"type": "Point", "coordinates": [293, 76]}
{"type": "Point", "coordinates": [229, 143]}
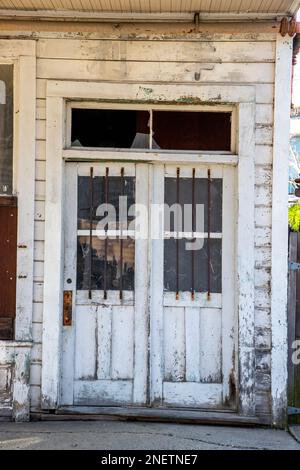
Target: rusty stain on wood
{"type": "Point", "coordinates": [67, 313]}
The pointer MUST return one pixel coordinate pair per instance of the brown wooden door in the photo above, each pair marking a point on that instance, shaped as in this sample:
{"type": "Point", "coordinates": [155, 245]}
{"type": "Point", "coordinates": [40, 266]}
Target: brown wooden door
{"type": "Point", "coordinates": [8, 256]}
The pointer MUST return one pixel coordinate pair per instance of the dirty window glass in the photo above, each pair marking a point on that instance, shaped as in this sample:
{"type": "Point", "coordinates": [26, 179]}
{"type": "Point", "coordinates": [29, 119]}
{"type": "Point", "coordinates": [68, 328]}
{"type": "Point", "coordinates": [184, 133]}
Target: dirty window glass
{"type": "Point", "coordinates": [185, 267]}
{"type": "Point", "coordinates": [183, 130]}
{"type": "Point", "coordinates": [201, 197]}
{"type": "Point", "coordinates": [113, 264]}
{"type": "Point", "coordinates": [114, 190]}
{"type": "Point", "coordinates": [109, 263]}
{"type": "Point", "coordinates": [6, 128]}
{"type": "Point", "coordinates": [198, 269]}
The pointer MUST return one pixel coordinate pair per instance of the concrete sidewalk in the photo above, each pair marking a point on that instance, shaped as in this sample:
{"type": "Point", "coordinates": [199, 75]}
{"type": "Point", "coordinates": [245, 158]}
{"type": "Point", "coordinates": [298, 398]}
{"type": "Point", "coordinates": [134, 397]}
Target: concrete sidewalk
{"type": "Point", "coordinates": [116, 435]}
{"type": "Point", "coordinates": [295, 432]}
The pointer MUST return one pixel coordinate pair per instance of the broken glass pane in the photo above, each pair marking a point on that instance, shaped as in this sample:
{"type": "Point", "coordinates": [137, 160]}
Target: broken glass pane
{"type": "Point", "coordinates": [110, 128]}
{"type": "Point", "coordinates": [97, 270]}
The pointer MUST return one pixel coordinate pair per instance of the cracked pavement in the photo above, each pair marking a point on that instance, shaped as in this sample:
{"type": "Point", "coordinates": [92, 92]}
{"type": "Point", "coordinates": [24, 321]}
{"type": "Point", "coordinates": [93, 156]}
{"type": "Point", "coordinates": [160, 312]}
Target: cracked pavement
{"type": "Point", "coordinates": [120, 435]}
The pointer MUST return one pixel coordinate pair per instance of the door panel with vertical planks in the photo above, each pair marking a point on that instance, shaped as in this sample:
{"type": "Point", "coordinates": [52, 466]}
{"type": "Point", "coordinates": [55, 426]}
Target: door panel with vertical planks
{"type": "Point", "coordinates": [194, 321]}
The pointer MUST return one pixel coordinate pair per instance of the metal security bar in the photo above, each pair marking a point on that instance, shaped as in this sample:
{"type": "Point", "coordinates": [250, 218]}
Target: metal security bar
{"type": "Point", "coordinates": [193, 230]}
{"type": "Point", "coordinates": [106, 229]}
{"type": "Point", "coordinates": [177, 238]}
{"type": "Point", "coordinates": [121, 237]}
{"type": "Point", "coordinates": [208, 234]}
{"type": "Point", "coordinates": [91, 194]}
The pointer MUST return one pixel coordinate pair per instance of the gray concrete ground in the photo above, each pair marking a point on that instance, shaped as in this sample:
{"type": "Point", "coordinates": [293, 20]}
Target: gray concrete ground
{"type": "Point", "coordinates": [295, 431]}
{"type": "Point", "coordinates": [115, 435]}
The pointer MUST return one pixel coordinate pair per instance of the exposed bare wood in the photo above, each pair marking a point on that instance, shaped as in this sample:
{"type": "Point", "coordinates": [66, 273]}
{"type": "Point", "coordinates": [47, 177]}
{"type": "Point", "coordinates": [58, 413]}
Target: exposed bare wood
{"type": "Point", "coordinates": [146, 29]}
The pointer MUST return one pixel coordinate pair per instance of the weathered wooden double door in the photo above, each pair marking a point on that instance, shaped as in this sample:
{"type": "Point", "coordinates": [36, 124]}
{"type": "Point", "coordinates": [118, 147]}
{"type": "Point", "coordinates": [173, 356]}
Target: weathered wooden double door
{"type": "Point", "coordinates": [149, 269]}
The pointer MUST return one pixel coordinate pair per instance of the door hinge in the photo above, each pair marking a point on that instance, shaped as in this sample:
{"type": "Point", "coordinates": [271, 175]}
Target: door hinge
{"type": "Point", "coordinates": [293, 411]}
{"type": "Point", "coordinates": [294, 266]}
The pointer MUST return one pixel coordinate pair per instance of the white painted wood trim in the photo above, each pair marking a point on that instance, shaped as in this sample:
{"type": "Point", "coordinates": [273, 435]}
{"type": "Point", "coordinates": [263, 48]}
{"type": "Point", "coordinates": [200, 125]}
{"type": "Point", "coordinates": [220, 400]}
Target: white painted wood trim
{"type": "Point", "coordinates": [245, 258]}
{"type": "Point", "coordinates": [24, 166]}
{"type": "Point", "coordinates": [66, 396]}
{"type": "Point", "coordinates": [188, 158]}
{"type": "Point", "coordinates": [229, 314]}
{"type": "Point", "coordinates": [174, 93]}
{"type": "Point", "coordinates": [14, 48]}
{"type": "Point", "coordinates": [243, 97]}
{"type": "Point", "coordinates": [141, 333]}
{"type": "Point", "coordinates": [53, 254]}
{"type": "Point", "coordinates": [150, 106]}
{"type": "Point", "coordinates": [156, 289]}
{"type": "Point", "coordinates": [279, 228]}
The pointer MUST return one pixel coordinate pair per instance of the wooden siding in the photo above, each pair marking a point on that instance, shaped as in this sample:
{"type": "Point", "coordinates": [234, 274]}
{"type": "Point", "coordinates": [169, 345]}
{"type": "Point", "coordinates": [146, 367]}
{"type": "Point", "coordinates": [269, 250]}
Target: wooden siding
{"type": "Point", "coordinates": [220, 60]}
{"type": "Point", "coordinates": [162, 61]}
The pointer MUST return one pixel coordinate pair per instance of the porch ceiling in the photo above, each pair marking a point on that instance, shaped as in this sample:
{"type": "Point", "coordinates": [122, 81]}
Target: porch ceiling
{"type": "Point", "coordinates": [277, 7]}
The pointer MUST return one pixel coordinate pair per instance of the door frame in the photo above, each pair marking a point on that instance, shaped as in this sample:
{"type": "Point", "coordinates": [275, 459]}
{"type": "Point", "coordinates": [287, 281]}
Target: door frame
{"type": "Point", "coordinates": [242, 99]}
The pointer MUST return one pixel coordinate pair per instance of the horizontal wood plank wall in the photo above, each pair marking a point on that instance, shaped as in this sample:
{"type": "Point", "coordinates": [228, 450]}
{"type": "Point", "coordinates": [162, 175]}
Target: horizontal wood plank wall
{"type": "Point", "coordinates": [203, 58]}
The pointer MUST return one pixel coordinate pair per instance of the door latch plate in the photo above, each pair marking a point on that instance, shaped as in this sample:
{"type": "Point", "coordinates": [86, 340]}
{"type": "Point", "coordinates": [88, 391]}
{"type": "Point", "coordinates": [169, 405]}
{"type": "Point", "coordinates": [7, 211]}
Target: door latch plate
{"type": "Point", "coordinates": [67, 313]}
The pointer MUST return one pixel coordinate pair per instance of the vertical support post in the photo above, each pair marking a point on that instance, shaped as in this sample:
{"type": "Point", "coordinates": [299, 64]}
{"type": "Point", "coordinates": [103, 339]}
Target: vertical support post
{"type": "Point", "coordinates": [24, 171]}
{"type": "Point", "coordinates": [54, 254]}
{"type": "Point", "coordinates": [157, 282]}
{"type": "Point", "coordinates": [245, 258]}
{"type": "Point", "coordinates": [283, 72]}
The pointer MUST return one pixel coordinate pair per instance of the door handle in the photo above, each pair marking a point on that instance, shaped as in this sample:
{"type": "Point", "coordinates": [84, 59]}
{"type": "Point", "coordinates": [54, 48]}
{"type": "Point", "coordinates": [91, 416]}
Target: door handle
{"type": "Point", "coordinates": [67, 308]}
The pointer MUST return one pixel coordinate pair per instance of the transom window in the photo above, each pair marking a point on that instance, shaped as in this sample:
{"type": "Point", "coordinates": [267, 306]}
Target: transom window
{"type": "Point", "coordinates": [153, 129]}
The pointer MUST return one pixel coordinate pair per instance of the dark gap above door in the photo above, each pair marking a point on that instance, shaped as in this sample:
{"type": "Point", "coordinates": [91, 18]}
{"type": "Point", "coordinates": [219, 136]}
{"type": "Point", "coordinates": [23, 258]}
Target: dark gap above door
{"type": "Point", "coordinates": [110, 128]}
{"type": "Point", "coordinates": [184, 130]}
{"type": "Point", "coordinates": [168, 130]}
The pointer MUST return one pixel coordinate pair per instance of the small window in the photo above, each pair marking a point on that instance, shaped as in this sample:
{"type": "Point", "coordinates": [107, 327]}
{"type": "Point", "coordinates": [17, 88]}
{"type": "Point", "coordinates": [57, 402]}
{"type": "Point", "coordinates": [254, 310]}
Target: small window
{"type": "Point", "coordinates": [196, 268]}
{"type": "Point", "coordinates": [6, 128]}
{"type": "Point", "coordinates": [153, 129]}
{"type": "Point", "coordinates": [105, 255]}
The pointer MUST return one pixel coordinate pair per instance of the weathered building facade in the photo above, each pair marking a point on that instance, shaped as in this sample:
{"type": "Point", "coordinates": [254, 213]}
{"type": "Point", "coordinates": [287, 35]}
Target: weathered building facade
{"type": "Point", "coordinates": [164, 107]}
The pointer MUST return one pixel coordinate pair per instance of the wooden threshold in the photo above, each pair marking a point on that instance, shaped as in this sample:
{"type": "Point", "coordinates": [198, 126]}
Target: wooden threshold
{"type": "Point", "coordinates": [5, 413]}
{"type": "Point", "coordinates": [163, 415]}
